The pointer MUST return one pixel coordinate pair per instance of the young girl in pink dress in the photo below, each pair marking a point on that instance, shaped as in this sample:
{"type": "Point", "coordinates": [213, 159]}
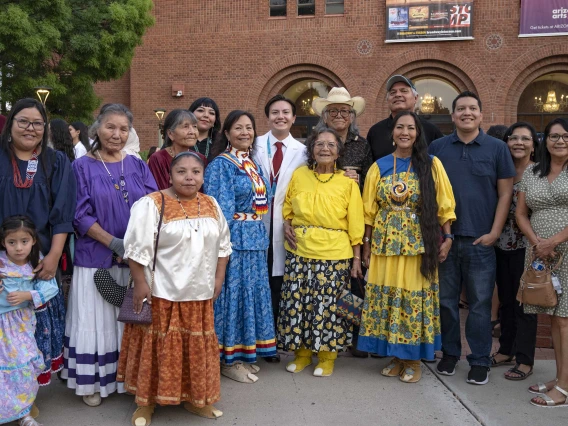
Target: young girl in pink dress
{"type": "Point", "coordinates": [20, 291]}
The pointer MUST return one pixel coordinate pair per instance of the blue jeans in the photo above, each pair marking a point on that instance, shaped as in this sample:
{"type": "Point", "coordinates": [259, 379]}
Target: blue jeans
{"type": "Point", "coordinates": [475, 267]}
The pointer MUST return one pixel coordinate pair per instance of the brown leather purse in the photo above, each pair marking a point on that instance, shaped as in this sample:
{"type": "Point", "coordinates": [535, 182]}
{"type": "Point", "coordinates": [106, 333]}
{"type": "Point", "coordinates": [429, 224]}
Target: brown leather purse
{"type": "Point", "coordinates": [536, 287]}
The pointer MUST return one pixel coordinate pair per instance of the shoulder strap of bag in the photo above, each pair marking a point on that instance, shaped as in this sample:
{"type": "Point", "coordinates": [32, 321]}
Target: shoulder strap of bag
{"type": "Point", "coordinates": [159, 227]}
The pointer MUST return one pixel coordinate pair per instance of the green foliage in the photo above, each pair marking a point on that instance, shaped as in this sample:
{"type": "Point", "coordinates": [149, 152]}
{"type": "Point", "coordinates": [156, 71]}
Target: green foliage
{"type": "Point", "coordinates": [68, 45]}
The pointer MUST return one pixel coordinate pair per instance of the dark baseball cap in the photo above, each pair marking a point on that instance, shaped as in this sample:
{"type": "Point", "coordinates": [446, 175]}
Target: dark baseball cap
{"type": "Point", "coordinates": [399, 79]}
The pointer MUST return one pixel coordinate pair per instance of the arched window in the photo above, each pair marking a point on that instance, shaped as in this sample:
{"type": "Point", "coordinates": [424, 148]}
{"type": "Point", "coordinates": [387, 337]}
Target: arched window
{"type": "Point", "coordinates": [544, 99]}
{"type": "Point", "coordinates": [302, 93]}
{"type": "Point", "coordinates": [435, 98]}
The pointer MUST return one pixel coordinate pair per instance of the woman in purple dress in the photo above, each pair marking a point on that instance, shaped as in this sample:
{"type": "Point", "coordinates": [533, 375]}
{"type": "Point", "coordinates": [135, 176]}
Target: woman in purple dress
{"type": "Point", "coordinates": [109, 182]}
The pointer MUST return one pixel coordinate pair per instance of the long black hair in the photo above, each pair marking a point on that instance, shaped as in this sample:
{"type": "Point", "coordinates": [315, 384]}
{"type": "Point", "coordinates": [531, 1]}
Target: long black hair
{"type": "Point", "coordinates": [83, 133]}
{"type": "Point", "coordinates": [16, 223]}
{"type": "Point", "coordinates": [173, 120]}
{"type": "Point", "coordinates": [221, 142]}
{"type": "Point", "coordinates": [61, 138]}
{"type": "Point", "coordinates": [47, 157]}
{"type": "Point", "coordinates": [542, 155]}
{"type": "Point", "coordinates": [428, 213]}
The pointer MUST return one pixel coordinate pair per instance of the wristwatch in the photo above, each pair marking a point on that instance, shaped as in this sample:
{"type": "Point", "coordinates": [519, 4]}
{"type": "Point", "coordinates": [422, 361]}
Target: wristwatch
{"type": "Point", "coordinates": [450, 236]}
{"type": "Point", "coordinates": [366, 240]}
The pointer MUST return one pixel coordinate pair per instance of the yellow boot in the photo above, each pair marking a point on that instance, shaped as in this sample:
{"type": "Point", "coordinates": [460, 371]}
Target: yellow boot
{"type": "Point", "coordinates": [325, 364]}
{"type": "Point", "coordinates": [302, 359]}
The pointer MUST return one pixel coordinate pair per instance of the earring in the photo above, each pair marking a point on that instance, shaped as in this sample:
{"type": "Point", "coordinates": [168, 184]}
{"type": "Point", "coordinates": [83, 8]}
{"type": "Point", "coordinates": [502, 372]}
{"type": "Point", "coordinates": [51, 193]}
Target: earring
{"type": "Point", "coordinates": [393, 144]}
{"type": "Point", "coordinates": [335, 167]}
{"type": "Point", "coordinates": [10, 139]}
{"type": "Point", "coordinates": [315, 165]}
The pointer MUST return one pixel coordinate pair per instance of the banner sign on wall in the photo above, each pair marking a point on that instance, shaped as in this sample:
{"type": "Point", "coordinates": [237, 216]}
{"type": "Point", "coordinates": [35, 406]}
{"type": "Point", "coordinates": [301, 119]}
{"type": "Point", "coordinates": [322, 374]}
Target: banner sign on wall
{"type": "Point", "coordinates": [428, 20]}
{"type": "Point", "coordinates": [544, 18]}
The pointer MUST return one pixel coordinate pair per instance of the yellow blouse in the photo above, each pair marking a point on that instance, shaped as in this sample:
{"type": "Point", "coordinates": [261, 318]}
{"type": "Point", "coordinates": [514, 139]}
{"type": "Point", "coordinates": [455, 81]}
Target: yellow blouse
{"type": "Point", "coordinates": [397, 231]}
{"type": "Point", "coordinates": [327, 217]}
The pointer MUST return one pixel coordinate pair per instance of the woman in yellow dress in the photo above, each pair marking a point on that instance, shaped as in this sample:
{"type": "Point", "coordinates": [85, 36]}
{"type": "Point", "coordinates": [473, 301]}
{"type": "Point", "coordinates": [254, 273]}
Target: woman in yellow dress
{"type": "Point", "coordinates": [323, 227]}
{"type": "Point", "coordinates": [407, 197]}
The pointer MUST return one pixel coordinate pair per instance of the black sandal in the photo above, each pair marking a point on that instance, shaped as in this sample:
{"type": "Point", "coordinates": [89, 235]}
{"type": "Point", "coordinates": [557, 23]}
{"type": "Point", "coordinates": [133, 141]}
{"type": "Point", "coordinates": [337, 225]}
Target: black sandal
{"type": "Point", "coordinates": [515, 370]}
{"type": "Point", "coordinates": [462, 304]}
{"type": "Point", "coordinates": [508, 361]}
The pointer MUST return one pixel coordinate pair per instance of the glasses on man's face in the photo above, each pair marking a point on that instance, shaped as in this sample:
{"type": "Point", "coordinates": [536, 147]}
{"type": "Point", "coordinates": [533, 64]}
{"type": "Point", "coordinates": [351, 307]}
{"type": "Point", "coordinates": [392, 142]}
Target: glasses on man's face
{"type": "Point", "coordinates": [523, 139]}
{"type": "Point", "coordinates": [343, 112]}
{"type": "Point", "coordinates": [24, 124]}
{"type": "Point", "coordinates": [555, 137]}
{"type": "Point", "coordinates": [322, 145]}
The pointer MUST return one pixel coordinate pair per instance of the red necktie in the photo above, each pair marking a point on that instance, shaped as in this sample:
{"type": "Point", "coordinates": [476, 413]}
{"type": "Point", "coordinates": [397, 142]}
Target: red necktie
{"type": "Point", "coordinates": [276, 162]}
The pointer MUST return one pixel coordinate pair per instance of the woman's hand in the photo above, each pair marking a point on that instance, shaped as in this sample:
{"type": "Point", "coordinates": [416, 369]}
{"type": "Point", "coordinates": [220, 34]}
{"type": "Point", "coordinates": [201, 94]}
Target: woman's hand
{"type": "Point", "coordinates": [290, 235]}
{"type": "Point", "coordinates": [545, 248]}
{"type": "Point", "coordinates": [141, 291]}
{"type": "Point", "coordinates": [356, 270]}
{"type": "Point", "coordinates": [218, 288]}
{"type": "Point", "coordinates": [444, 250]}
{"type": "Point", "coordinates": [352, 174]}
{"type": "Point", "coordinates": [47, 267]}
{"type": "Point", "coordinates": [366, 254]}
{"type": "Point", "coordinates": [16, 297]}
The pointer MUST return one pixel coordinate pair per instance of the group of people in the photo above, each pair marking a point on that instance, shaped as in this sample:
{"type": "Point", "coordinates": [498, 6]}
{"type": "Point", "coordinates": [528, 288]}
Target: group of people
{"type": "Point", "coordinates": [244, 244]}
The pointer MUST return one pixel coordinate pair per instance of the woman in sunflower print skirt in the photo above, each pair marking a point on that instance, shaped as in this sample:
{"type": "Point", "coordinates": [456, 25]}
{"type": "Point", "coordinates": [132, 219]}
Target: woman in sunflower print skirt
{"type": "Point", "coordinates": [407, 197]}
{"type": "Point", "coordinates": [323, 226]}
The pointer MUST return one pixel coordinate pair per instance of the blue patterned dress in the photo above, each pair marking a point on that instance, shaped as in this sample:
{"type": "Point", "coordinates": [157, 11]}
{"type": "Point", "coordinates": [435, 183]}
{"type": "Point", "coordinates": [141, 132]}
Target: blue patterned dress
{"type": "Point", "coordinates": [243, 312]}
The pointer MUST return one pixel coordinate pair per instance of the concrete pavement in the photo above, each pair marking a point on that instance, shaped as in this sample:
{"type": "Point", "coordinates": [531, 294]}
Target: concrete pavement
{"type": "Point", "coordinates": [356, 394]}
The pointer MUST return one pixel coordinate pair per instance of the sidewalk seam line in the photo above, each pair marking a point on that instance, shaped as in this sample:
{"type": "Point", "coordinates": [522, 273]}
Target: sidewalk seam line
{"type": "Point", "coordinates": [476, 417]}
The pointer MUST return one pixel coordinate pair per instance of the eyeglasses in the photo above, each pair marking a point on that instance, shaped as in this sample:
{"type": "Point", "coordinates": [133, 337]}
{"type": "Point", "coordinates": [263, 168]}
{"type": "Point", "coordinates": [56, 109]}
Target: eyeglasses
{"type": "Point", "coordinates": [523, 139]}
{"type": "Point", "coordinates": [321, 145]}
{"type": "Point", "coordinates": [344, 112]}
{"type": "Point", "coordinates": [555, 137]}
{"type": "Point", "coordinates": [24, 124]}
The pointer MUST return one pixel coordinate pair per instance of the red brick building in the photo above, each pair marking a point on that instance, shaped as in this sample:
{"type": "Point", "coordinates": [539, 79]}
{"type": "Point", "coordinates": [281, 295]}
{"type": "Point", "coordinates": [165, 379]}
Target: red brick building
{"type": "Point", "coordinates": [235, 52]}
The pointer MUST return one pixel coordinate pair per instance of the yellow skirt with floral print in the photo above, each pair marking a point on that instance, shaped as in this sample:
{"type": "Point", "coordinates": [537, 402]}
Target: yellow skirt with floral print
{"type": "Point", "coordinates": [401, 313]}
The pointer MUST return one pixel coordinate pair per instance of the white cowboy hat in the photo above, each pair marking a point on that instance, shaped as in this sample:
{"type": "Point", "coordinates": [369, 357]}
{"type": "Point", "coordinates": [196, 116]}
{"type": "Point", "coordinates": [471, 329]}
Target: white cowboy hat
{"type": "Point", "coordinates": [339, 95]}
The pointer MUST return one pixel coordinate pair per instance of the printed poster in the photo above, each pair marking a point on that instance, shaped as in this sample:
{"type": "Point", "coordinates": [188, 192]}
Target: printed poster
{"type": "Point", "coordinates": [542, 18]}
{"type": "Point", "coordinates": [429, 20]}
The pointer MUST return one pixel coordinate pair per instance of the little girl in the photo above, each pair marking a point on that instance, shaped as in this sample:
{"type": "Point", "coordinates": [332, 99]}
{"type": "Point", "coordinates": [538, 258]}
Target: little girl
{"type": "Point", "coordinates": [20, 292]}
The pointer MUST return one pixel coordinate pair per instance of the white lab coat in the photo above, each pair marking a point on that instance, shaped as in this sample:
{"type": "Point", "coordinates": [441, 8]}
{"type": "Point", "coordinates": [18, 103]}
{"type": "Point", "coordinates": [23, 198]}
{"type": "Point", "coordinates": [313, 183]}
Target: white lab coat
{"type": "Point", "coordinates": [294, 157]}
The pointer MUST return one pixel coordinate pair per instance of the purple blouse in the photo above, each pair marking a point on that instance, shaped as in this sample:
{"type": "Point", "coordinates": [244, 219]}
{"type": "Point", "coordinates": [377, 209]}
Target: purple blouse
{"type": "Point", "coordinates": [99, 201]}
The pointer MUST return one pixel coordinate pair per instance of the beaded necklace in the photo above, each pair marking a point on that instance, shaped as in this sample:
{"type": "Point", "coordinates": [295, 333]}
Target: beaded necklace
{"type": "Point", "coordinates": [185, 213]}
{"type": "Point", "coordinates": [121, 179]}
{"type": "Point", "coordinates": [207, 146]}
{"type": "Point", "coordinates": [31, 170]}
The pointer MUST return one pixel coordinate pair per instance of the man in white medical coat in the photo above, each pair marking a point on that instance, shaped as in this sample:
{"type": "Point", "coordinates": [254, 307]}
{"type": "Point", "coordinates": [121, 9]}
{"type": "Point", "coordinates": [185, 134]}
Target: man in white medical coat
{"type": "Point", "coordinates": [279, 155]}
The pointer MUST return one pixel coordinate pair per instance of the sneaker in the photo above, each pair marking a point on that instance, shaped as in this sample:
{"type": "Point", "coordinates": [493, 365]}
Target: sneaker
{"type": "Point", "coordinates": [478, 375]}
{"type": "Point", "coordinates": [447, 366]}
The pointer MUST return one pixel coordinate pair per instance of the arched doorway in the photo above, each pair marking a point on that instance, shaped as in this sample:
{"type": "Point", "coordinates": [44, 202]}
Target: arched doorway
{"type": "Point", "coordinates": [435, 101]}
{"type": "Point", "coordinates": [544, 99]}
{"type": "Point", "coordinates": [302, 93]}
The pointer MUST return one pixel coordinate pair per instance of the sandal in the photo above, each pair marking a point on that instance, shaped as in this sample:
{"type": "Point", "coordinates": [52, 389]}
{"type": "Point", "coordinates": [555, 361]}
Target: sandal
{"type": "Point", "coordinates": [549, 402]}
{"type": "Point", "coordinates": [462, 304]}
{"type": "Point", "coordinates": [208, 411]}
{"type": "Point", "coordinates": [542, 388]}
{"type": "Point", "coordinates": [508, 361]}
{"type": "Point", "coordinates": [143, 416]}
{"type": "Point", "coordinates": [412, 372]}
{"type": "Point", "coordinates": [515, 370]}
{"type": "Point", "coordinates": [394, 369]}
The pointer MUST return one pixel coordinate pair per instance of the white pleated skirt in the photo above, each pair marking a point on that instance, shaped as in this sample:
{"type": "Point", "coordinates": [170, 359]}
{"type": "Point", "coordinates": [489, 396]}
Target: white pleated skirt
{"type": "Point", "coordinates": [92, 335]}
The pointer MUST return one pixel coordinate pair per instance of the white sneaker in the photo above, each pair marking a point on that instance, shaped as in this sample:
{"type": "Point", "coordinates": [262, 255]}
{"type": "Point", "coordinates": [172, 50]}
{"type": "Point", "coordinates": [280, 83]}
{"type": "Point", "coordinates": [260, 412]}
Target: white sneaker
{"type": "Point", "coordinates": [93, 400]}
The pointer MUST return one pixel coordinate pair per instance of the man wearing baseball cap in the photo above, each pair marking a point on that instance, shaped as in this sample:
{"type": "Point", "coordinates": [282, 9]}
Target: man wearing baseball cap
{"type": "Point", "coordinates": [401, 96]}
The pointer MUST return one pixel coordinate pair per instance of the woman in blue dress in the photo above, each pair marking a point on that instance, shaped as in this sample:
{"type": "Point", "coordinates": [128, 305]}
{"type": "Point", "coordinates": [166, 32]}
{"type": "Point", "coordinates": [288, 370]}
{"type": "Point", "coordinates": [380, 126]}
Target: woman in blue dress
{"type": "Point", "coordinates": [243, 312]}
{"type": "Point", "coordinates": [38, 182]}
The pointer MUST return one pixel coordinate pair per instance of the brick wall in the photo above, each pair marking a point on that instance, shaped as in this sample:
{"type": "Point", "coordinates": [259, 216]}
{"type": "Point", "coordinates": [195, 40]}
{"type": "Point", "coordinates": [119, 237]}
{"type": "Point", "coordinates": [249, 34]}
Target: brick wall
{"type": "Point", "coordinates": [232, 51]}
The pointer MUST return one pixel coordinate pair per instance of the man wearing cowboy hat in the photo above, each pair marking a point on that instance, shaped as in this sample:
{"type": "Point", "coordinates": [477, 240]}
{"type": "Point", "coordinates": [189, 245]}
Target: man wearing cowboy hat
{"type": "Point", "coordinates": [338, 112]}
{"type": "Point", "coordinates": [401, 96]}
